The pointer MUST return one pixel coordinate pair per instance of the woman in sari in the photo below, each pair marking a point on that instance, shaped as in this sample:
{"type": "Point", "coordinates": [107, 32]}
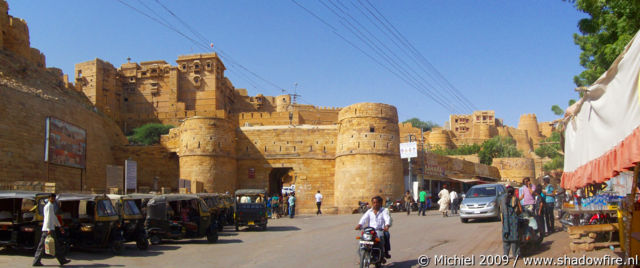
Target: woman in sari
{"type": "Point", "coordinates": [510, 233]}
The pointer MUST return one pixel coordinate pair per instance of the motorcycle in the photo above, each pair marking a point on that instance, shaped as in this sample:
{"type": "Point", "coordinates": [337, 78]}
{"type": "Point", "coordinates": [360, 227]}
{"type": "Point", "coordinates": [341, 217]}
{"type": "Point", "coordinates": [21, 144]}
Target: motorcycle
{"type": "Point", "coordinates": [529, 231]}
{"type": "Point", "coordinates": [363, 207]}
{"type": "Point", "coordinates": [370, 249]}
{"type": "Point", "coordinates": [398, 206]}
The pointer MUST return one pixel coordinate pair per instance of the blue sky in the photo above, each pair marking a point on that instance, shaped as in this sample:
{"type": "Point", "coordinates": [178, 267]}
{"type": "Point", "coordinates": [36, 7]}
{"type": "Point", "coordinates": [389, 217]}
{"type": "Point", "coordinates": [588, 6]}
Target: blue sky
{"type": "Point", "coordinates": [513, 57]}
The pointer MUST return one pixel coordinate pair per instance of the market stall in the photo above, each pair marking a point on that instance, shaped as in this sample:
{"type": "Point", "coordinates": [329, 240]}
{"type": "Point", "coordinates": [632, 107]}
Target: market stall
{"type": "Point", "coordinates": [602, 139]}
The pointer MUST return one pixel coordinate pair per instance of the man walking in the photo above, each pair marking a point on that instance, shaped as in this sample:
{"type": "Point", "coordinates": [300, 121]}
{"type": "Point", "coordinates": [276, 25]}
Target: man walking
{"type": "Point", "coordinates": [408, 200]}
{"type": "Point", "coordinates": [292, 205]}
{"type": "Point", "coordinates": [421, 198]}
{"type": "Point", "coordinates": [550, 200]}
{"type": "Point", "coordinates": [49, 225]}
{"type": "Point", "coordinates": [318, 202]}
{"type": "Point", "coordinates": [454, 201]}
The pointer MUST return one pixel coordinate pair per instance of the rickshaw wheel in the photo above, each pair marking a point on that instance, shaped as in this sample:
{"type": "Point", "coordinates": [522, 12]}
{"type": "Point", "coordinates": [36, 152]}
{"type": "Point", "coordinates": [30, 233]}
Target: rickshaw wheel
{"type": "Point", "coordinates": [237, 228]}
{"type": "Point", "coordinates": [212, 237]}
{"type": "Point", "coordinates": [142, 243]}
{"type": "Point", "coordinates": [264, 227]}
{"type": "Point", "coordinates": [155, 239]}
{"type": "Point", "coordinates": [116, 247]}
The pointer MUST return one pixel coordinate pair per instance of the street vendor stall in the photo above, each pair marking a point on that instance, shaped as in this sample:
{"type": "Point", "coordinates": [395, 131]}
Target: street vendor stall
{"type": "Point", "coordinates": [602, 137]}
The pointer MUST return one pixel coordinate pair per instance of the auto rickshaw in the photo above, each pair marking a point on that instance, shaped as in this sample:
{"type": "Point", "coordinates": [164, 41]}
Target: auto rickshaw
{"type": "Point", "coordinates": [141, 201]}
{"type": "Point", "coordinates": [90, 221]}
{"type": "Point", "coordinates": [179, 216]}
{"type": "Point", "coordinates": [131, 220]}
{"type": "Point", "coordinates": [229, 204]}
{"type": "Point", "coordinates": [251, 208]}
{"type": "Point", "coordinates": [21, 218]}
{"type": "Point", "coordinates": [216, 207]}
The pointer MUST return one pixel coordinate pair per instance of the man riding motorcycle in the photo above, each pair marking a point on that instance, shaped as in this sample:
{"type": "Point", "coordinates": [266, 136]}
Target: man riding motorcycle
{"type": "Point", "coordinates": [378, 218]}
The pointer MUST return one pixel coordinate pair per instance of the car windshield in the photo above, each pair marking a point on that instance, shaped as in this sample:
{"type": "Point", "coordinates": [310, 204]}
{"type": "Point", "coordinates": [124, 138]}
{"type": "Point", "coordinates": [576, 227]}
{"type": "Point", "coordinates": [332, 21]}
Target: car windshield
{"type": "Point", "coordinates": [130, 208]}
{"type": "Point", "coordinates": [481, 192]}
{"type": "Point", "coordinates": [105, 208]}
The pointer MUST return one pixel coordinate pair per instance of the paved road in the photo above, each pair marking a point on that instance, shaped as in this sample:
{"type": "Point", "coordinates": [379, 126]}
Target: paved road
{"type": "Point", "coordinates": [308, 241]}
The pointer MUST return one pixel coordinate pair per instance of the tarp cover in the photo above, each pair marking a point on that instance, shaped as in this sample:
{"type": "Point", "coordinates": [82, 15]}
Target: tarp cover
{"type": "Point", "coordinates": [603, 139]}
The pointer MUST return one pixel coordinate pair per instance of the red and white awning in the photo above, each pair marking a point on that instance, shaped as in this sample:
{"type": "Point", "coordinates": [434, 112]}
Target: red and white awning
{"type": "Point", "coordinates": [603, 137]}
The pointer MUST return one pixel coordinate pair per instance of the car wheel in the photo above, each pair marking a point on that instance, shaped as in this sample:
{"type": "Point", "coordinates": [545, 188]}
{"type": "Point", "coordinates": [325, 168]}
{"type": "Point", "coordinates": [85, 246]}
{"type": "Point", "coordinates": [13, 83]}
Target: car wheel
{"type": "Point", "coordinates": [463, 220]}
{"type": "Point", "coordinates": [116, 247]}
{"type": "Point", "coordinates": [155, 239]}
{"type": "Point", "coordinates": [212, 237]}
{"type": "Point", "coordinates": [142, 243]}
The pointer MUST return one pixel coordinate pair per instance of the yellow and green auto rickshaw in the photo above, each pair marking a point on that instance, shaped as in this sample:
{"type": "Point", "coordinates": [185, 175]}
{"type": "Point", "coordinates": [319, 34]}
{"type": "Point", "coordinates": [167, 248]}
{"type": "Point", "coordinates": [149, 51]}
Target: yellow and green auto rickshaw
{"type": "Point", "coordinates": [21, 218]}
{"type": "Point", "coordinates": [90, 221]}
{"type": "Point", "coordinates": [251, 208]}
{"type": "Point", "coordinates": [131, 220]}
{"type": "Point", "coordinates": [179, 216]}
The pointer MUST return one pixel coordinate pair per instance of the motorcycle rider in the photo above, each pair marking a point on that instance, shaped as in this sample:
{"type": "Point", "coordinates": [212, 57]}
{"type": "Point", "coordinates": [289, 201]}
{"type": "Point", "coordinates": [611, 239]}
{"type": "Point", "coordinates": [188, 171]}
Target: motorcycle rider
{"type": "Point", "coordinates": [378, 218]}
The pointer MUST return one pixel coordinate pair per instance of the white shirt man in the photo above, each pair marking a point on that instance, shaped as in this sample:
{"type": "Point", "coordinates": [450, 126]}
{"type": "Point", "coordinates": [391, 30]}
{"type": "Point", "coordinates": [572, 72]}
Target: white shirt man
{"type": "Point", "coordinates": [50, 220]}
{"type": "Point", "coordinates": [318, 202]}
{"type": "Point", "coordinates": [377, 221]}
{"type": "Point", "coordinates": [453, 196]}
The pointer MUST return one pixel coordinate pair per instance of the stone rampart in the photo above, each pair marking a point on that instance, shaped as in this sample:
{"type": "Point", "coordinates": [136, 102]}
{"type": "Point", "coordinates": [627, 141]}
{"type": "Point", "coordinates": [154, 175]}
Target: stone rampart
{"type": "Point", "coordinates": [515, 168]}
{"type": "Point", "coordinates": [367, 157]}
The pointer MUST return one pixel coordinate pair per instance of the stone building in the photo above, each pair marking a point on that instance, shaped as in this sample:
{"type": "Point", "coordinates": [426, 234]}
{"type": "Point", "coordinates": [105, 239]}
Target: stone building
{"type": "Point", "coordinates": [224, 139]}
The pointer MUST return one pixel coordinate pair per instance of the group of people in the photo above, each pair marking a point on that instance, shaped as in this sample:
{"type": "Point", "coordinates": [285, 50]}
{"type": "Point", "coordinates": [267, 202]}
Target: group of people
{"type": "Point", "coordinates": [281, 205]}
{"type": "Point", "coordinates": [535, 200]}
{"type": "Point", "coordinates": [448, 200]}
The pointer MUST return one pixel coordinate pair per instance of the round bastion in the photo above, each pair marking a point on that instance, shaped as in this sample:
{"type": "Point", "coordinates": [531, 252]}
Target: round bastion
{"type": "Point", "coordinates": [207, 153]}
{"type": "Point", "coordinates": [367, 155]}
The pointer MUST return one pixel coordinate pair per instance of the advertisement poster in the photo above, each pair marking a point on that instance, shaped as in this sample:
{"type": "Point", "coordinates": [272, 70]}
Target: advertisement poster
{"type": "Point", "coordinates": [65, 143]}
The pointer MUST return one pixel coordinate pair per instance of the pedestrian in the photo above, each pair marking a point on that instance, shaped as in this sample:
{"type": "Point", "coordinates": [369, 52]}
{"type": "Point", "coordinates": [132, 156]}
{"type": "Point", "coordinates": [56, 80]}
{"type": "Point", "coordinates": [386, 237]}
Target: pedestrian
{"type": "Point", "coordinates": [526, 195]}
{"type": "Point", "coordinates": [292, 205]}
{"type": "Point", "coordinates": [422, 196]}
{"type": "Point", "coordinates": [285, 204]}
{"type": "Point", "coordinates": [408, 200]}
{"type": "Point", "coordinates": [550, 202]}
{"type": "Point", "coordinates": [538, 210]}
{"type": "Point", "coordinates": [428, 199]}
{"type": "Point", "coordinates": [510, 235]}
{"type": "Point", "coordinates": [453, 196]}
{"type": "Point", "coordinates": [318, 202]}
{"type": "Point", "coordinates": [444, 201]}
{"type": "Point", "coordinates": [269, 207]}
{"type": "Point", "coordinates": [49, 225]}
{"type": "Point", "coordinates": [275, 206]}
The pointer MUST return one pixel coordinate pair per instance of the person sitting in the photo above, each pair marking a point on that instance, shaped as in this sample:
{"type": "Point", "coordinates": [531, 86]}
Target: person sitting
{"type": "Point", "coordinates": [378, 218]}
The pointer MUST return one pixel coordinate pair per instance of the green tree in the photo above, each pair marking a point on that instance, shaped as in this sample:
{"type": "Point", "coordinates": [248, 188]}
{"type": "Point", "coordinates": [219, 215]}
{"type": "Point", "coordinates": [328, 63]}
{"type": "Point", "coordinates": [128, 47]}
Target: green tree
{"type": "Point", "coordinates": [498, 147]}
{"type": "Point", "coordinates": [604, 34]}
{"type": "Point", "coordinates": [148, 134]}
{"type": "Point", "coordinates": [417, 123]}
{"type": "Point", "coordinates": [551, 148]}
{"type": "Point", "coordinates": [557, 110]}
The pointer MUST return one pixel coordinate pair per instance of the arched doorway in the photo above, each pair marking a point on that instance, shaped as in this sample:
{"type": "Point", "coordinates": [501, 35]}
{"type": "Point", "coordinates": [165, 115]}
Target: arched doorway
{"type": "Point", "coordinates": [279, 177]}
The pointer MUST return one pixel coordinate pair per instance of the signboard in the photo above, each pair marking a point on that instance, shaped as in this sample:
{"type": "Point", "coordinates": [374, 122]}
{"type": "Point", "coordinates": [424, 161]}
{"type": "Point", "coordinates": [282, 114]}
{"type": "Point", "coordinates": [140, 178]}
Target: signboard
{"type": "Point", "coordinates": [408, 149]}
{"type": "Point", "coordinates": [114, 176]}
{"type": "Point", "coordinates": [184, 183]}
{"type": "Point", "coordinates": [130, 175]}
{"type": "Point", "coordinates": [65, 144]}
{"type": "Point", "coordinates": [432, 169]}
{"type": "Point", "coordinates": [252, 173]}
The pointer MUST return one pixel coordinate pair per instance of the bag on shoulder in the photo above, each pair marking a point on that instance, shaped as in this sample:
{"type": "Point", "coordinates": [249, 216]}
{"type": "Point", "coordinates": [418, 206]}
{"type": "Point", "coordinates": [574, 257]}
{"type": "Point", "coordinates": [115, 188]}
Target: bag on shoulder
{"type": "Point", "coordinates": [50, 246]}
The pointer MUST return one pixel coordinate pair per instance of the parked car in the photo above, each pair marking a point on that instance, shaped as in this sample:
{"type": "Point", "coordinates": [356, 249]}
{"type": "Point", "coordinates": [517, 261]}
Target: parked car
{"type": "Point", "coordinates": [482, 201]}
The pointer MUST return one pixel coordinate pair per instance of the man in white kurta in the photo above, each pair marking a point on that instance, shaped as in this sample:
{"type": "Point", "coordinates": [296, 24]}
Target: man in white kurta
{"type": "Point", "coordinates": [444, 201]}
{"type": "Point", "coordinates": [49, 229]}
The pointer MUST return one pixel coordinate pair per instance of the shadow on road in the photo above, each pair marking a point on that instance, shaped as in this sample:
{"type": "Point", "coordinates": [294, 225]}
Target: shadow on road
{"type": "Point", "coordinates": [403, 264]}
{"type": "Point", "coordinates": [544, 246]}
{"type": "Point", "coordinates": [282, 228]}
{"type": "Point", "coordinates": [227, 234]}
{"type": "Point", "coordinates": [228, 241]}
